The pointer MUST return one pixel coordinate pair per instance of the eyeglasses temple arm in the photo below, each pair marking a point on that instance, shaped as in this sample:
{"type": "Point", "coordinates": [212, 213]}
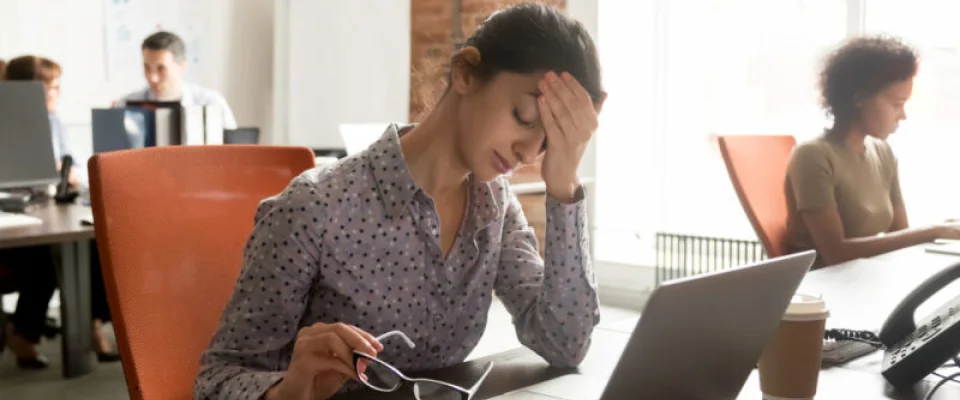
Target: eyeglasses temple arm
{"type": "Point", "coordinates": [476, 386]}
{"type": "Point", "coordinates": [402, 335]}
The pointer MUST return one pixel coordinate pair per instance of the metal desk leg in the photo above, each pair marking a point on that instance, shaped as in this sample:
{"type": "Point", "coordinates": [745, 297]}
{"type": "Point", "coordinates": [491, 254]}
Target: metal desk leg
{"type": "Point", "coordinates": [75, 313]}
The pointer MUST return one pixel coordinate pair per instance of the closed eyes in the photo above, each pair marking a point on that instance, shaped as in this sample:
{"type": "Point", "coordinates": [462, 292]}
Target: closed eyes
{"type": "Point", "coordinates": [525, 124]}
{"type": "Point", "coordinates": [531, 126]}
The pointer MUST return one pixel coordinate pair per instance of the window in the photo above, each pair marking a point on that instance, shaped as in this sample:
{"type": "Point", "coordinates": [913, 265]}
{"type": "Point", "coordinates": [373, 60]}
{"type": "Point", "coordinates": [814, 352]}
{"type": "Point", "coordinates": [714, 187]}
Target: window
{"type": "Point", "coordinates": [930, 137]}
{"type": "Point", "coordinates": [680, 73]}
{"type": "Point", "coordinates": [629, 174]}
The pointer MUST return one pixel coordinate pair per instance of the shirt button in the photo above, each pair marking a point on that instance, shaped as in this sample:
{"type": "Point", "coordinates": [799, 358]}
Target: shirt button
{"type": "Point", "coordinates": [435, 349]}
{"type": "Point", "coordinates": [438, 318]}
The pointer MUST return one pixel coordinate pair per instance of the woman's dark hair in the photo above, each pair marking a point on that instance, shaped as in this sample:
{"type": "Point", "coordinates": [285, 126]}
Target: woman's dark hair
{"type": "Point", "coordinates": [859, 69]}
{"type": "Point", "coordinates": [533, 37]}
{"type": "Point", "coordinates": [32, 68]}
{"type": "Point", "coordinates": [3, 67]}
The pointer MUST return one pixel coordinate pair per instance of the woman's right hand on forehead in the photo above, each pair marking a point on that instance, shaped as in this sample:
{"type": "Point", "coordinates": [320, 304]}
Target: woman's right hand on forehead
{"type": "Point", "coordinates": [323, 361]}
{"type": "Point", "coordinates": [569, 118]}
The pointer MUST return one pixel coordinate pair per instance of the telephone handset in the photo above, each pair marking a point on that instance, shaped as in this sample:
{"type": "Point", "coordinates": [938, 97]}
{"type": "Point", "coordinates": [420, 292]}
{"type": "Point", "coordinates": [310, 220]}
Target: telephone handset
{"type": "Point", "coordinates": [64, 193]}
{"type": "Point", "coordinates": [914, 352]}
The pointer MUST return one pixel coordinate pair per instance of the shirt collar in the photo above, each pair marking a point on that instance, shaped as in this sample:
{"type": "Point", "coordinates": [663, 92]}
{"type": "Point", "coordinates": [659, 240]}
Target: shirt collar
{"type": "Point", "coordinates": [394, 183]}
{"type": "Point", "coordinates": [396, 187]}
{"type": "Point", "coordinates": [186, 94]}
{"type": "Point", "coordinates": [483, 202]}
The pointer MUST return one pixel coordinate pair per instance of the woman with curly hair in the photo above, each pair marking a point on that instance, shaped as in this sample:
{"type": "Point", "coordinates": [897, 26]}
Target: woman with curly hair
{"type": "Point", "coordinates": [843, 188]}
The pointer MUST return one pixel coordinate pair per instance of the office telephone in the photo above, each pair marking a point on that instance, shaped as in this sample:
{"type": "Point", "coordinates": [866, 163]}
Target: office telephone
{"type": "Point", "coordinates": [64, 193]}
{"type": "Point", "coordinates": [912, 352]}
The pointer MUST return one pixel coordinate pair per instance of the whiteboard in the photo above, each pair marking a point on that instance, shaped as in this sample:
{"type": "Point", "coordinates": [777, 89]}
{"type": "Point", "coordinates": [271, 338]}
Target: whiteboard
{"type": "Point", "coordinates": [75, 35]}
{"type": "Point", "coordinates": [339, 62]}
{"type": "Point", "coordinates": [128, 22]}
{"type": "Point", "coordinates": [70, 33]}
{"type": "Point", "coordinates": [236, 58]}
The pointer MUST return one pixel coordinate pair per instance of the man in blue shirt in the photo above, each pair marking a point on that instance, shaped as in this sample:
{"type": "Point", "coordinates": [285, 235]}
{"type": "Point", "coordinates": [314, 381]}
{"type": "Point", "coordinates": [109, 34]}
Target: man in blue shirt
{"type": "Point", "coordinates": [164, 62]}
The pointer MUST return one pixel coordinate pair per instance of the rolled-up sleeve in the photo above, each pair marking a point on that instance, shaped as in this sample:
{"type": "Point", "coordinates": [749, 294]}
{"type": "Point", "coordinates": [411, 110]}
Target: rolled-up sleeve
{"type": "Point", "coordinates": [251, 349]}
{"type": "Point", "coordinates": [554, 302]}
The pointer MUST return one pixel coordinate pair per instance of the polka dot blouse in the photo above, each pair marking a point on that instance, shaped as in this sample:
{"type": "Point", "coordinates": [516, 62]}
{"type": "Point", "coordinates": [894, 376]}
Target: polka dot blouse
{"type": "Point", "coordinates": [358, 242]}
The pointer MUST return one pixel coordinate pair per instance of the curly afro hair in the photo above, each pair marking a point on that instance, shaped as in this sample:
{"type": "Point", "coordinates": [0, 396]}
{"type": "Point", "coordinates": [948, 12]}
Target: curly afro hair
{"type": "Point", "coordinates": [861, 68]}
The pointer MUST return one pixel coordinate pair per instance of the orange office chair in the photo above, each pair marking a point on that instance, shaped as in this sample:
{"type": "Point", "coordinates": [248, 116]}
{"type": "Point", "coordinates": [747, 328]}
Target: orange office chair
{"type": "Point", "coordinates": [758, 169]}
{"type": "Point", "coordinates": [171, 225]}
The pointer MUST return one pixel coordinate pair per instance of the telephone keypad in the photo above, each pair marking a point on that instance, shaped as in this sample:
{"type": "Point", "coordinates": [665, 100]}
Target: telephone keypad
{"type": "Point", "coordinates": [946, 320]}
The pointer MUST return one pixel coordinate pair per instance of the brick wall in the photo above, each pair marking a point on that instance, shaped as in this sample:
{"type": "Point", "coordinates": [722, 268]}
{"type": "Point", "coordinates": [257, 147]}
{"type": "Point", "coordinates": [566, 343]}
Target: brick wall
{"type": "Point", "coordinates": [431, 45]}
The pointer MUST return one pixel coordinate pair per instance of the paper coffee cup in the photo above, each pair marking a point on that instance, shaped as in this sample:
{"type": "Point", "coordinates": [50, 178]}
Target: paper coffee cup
{"type": "Point", "coordinates": [790, 364]}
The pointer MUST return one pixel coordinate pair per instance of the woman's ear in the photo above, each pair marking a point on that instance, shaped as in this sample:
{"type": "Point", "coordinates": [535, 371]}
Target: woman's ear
{"type": "Point", "coordinates": [464, 65]}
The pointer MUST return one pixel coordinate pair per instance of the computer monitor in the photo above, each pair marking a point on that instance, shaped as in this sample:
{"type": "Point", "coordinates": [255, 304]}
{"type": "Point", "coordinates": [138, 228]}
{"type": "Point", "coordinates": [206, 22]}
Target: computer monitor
{"type": "Point", "coordinates": [122, 128]}
{"type": "Point", "coordinates": [248, 135]}
{"type": "Point", "coordinates": [26, 156]}
{"type": "Point", "coordinates": [167, 120]}
{"type": "Point", "coordinates": [153, 104]}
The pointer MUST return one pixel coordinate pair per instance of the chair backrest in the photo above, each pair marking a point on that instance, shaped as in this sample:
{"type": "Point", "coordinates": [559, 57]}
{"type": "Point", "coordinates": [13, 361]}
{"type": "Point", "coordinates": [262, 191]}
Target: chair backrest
{"type": "Point", "coordinates": [758, 169]}
{"type": "Point", "coordinates": [171, 225]}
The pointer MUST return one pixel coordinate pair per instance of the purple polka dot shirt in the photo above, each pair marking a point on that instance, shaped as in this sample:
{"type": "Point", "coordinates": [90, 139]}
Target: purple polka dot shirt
{"type": "Point", "coordinates": [358, 242]}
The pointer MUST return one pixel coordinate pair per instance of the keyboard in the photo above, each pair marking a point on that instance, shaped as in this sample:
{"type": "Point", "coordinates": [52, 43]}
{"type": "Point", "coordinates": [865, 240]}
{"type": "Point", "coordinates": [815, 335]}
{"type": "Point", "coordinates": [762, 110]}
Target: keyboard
{"type": "Point", "coordinates": [949, 247]}
{"type": "Point", "coordinates": [14, 220]}
{"type": "Point", "coordinates": [841, 351]}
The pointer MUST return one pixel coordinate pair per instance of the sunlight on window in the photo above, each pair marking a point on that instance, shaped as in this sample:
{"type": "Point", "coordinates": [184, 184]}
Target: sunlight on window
{"type": "Point", "coordinates": [628, 146]}
{"type": "Point", "coordinates": [929, 139]}
{"type": "Point", "coordinates": [681, 72]}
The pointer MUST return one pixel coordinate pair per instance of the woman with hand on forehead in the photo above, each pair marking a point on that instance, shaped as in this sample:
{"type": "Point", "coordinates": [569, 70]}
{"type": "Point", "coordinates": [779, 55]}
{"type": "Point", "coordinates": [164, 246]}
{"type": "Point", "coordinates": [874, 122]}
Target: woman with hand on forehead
{"type": "Point", "coordinates": [418, 232]}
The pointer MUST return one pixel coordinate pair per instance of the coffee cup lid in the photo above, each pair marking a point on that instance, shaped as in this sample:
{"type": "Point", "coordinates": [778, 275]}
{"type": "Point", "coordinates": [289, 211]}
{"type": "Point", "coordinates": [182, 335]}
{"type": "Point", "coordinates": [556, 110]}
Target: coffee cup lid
{"type": "Point", "coordinates": [806, 307]}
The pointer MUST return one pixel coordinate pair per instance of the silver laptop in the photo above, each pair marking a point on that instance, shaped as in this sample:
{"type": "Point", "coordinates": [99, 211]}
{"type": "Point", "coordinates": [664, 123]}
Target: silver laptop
{"type": "Point", "coordinates": [698, 338]}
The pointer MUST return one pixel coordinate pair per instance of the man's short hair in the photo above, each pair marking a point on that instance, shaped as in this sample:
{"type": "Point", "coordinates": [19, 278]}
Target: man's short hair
{"type": "Point", "coordinates": [164, 40]}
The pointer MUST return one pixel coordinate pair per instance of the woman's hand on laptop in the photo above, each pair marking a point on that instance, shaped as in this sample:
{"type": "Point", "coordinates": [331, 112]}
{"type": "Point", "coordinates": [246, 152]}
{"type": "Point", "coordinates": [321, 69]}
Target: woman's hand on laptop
{"type": "Point", "coordinates": [949, 230]}
{"type": "Point", "coordinates": [323, 361]}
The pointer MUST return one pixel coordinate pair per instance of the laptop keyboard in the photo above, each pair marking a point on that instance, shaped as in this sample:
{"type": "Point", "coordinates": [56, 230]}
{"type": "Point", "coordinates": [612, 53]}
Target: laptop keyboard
{"type": "Point", "coordinates": [838, 352]}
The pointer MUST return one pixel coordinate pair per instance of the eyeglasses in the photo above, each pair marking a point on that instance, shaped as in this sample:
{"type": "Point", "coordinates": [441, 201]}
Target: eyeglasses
{"type": "Point", "coordinates": [384, 377]}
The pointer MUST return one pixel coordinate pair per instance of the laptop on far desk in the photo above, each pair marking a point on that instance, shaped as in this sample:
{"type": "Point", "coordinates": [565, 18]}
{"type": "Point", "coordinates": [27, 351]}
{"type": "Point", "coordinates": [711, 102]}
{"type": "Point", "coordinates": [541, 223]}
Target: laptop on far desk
{"type": "Point", "coordinates": [698, 338]}
{"type": "Point", "coordinates": [248, 135]}
{"type": "Point", "coordinates": [944, 246]}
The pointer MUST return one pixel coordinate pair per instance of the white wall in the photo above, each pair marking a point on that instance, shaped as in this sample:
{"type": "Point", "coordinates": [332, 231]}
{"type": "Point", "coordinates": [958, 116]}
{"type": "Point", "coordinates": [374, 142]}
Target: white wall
{"type": "Point", "coordinates": [620, 285]}
{"type": "Point", "coordinates": [242, 56]}
{"type": "Point", "coordinates": [586, 11]}
{"type": "Point", "coordinates": [340, 62]}
{"type": "Point", "coordinates": [71, 32]}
